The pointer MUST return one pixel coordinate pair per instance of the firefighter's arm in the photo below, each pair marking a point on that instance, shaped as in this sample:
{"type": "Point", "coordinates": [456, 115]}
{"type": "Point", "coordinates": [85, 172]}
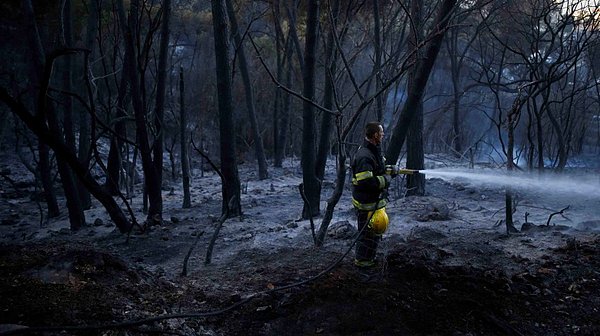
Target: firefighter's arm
{"type": "Point", "coordinates": [369, 180]}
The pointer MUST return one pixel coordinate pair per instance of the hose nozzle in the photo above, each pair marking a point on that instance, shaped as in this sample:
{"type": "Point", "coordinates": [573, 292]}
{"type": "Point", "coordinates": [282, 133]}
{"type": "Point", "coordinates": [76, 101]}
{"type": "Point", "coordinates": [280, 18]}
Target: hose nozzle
{"type": "Point", "coordinates": [406, 171]}
{"type": "Point", "coordinates": [395, 170]}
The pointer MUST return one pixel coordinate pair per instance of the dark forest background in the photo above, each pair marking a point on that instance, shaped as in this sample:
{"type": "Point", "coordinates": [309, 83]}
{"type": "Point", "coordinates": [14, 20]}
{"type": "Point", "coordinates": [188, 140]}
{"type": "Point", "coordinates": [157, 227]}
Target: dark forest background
{"type": "Point", "coordinates": [91, 89]}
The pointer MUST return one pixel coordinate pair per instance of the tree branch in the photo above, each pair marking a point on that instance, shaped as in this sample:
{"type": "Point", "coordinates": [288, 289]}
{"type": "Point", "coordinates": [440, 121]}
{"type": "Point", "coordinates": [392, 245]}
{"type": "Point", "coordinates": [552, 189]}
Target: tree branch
{"type": "Point", "coordinates": [556, 213]}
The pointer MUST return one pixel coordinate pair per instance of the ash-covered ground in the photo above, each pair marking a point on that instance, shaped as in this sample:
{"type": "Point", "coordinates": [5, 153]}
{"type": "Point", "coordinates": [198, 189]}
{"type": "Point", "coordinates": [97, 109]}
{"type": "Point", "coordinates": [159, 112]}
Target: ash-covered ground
{"type": "Point", "coordinates": [446, 264]}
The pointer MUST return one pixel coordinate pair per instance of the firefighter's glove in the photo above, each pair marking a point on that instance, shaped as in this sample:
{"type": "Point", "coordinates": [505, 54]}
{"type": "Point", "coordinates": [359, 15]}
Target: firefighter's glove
{"type": "Point", "coordinates": [391, 170]}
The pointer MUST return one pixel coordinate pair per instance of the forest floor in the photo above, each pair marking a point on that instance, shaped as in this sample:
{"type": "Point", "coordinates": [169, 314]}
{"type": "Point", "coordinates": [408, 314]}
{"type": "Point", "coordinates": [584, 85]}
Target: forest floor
{"type": "Point", "coordinates": [446, 265]}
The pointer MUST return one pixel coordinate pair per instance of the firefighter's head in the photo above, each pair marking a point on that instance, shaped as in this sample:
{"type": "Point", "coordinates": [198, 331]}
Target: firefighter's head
{"type": "Point", "coordinates": [374, 132]}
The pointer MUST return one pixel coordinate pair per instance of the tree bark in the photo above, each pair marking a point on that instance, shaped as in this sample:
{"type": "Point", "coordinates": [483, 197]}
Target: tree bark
{"type": "Point", "coordinates": [337, 192]}
{"type": "Point", "coordinates": [285, 110]}
{"type": "Point", "coordinates": [79, 198]}
{"type": "Point", "coordinates": [508, 192]}
{"type": "Point", "coordinates": [540, 138]}
{"type": "Point", "coordinates": [241, 56]}
{"type": "Point", "coordinates": [421, 78]}
{"type": "Point", "coordinates": [84, 118]}
{"type": "Point", "coordinates": [562, 146]}
{"type": "Point", "coordinates": [42, 64]}
{"type": "Point", "coordinates": [76, 215]}
{"type": "Point", "coordinates": [231, 183]}
{"type": "Point", "coordinates": [159, 110]}
{"type": "Point", "coordinates": [377, 65]}
{"type": "Point", "coordinates": [151, 180]}
{"type": "Point", "coordinates": [115, 159]}
{"type": "Point", "coordinates": [293, 32]}
{"type": "Point", "coordinates": [511, 119]}
{"type": "Point", "coordinates": [46, 179]}
{"type": "Point", "coordinates": [309, 174]}
{"type": "Point", "coordinates": [415, 157]}
{"type": "Point", "coordinates": [455, 75]}
{"type": "Point", "coordinates": [328, 91]}
{"type": "Point", "coordinates": [58, 146]}
{"type": "Point", "coordinates": [277, 105]}
{"type": "Point", "coordinates": [44, 166]}
{"type": "Point", "coordinates": [185, 163]}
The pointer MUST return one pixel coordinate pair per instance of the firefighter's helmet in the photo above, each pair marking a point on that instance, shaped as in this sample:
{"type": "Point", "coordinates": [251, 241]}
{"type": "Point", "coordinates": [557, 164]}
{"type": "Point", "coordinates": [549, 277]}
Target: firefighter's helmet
{"type": "Point", "coordinates": [379, 221]}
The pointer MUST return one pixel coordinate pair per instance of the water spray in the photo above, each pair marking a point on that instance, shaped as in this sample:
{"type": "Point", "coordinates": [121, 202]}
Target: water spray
{"type": "Point", "coordinates": [582, 185]}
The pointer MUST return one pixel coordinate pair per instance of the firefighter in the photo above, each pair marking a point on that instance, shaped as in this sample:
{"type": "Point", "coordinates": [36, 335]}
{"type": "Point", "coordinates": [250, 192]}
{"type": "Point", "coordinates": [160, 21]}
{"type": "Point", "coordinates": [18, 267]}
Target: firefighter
{"type": "Point", "coordinates": [369, 181]}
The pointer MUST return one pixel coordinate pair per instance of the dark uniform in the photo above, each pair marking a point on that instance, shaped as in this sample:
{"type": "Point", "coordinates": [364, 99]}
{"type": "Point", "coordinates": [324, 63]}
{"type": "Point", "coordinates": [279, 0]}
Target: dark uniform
{"type": "Point", "coordinates": [369, 182]}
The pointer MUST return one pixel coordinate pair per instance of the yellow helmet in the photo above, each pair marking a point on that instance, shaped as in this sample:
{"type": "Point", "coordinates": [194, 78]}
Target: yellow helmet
{"type": "Point", "coordinates": [379, 221]}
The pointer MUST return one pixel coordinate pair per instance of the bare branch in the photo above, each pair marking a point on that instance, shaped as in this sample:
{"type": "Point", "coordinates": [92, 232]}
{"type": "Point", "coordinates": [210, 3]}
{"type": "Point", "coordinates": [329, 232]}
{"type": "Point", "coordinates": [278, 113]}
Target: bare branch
{"type": "Point", "coordinates": [556, 213]}
{"type": "Point", "coordinates": [283, 87]}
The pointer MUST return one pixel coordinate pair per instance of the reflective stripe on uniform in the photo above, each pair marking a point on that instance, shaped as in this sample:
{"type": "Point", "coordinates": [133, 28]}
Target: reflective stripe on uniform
{"type": "Point", "coordinates": [381, 182]}
{"type": "Point", "coordinates": [361, 176]}
{"type": "Point", "coordinates": [369, 206]}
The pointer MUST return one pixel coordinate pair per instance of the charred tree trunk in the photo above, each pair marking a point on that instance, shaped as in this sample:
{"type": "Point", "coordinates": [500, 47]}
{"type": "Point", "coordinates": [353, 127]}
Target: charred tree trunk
{"type": "Point", "coordinates": [44, 153]}
{"type": "Point", "coordinates": [421, 77]}
{"type": "Point", "coordinates": [377, 65]}
{"type": "Point", "coordinates": [415, 158]}
{"type": "Point", "coordinates": [309, 175]}
{"type": "Point", "coordinates": [511, 119]}
{"type": "Point", "coordinates": [46, 179]}
{"type": "Point", "coordinates": [291, 45]}
{"type": "Point", "coordinates": [231, 183]}
{"type": "Point", "coordinates": [456, 94]}
{"type": "Point", "coordinates": [241, 56]}
{"type": "Point", "coordinates": [293, 32]}
{"type": "Point", "coordinates": [185, 163]}
{"type": "Point", "coordinates": [67, 76]}
{"type": "Point", "coordinates": [42, 64]}
{"type": "Point", "coordinates": [337, 192]}
{"type": "Point", "coordinates": [159, 111]}
{"type": "Point", "coordinates": [76, 215]}
{"type": "Point", "coordinates": [285, 110]}
{"type": "Point", "coordinates": [560, 138]}
{"type": "Point", "coordinates": [78, 198]}
{"type": "Point", "coordinates": [151, 180]}
{"type": "Point", "coordinates": [277, 105]}
{"type": "Point", "coordinates": [530, 142]}
{"type": "Point", "coordinates": [84, 118]}
{"type": "Point", "coordinates": [328, 91]}
{"type": "Point", "coordinates": [115, 159]}
{"type": "Point", "coordinates": [113, 167]}
{"type": "Point", "coordinates": [55, 142]}
{"type": "Point", "coordinates": [539, 135]}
